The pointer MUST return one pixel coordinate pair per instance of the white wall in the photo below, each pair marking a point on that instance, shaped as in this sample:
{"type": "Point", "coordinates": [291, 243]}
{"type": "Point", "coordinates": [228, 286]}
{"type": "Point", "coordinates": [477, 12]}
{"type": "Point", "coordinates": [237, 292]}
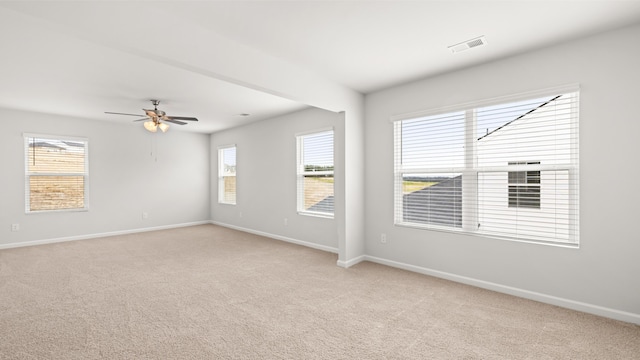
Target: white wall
{"type": "Point", "coordinates": [266, 178]}
{"type": "Point", "coordinates": [602, 275]}
{"type": "Point", "coordinates": [125, 179]}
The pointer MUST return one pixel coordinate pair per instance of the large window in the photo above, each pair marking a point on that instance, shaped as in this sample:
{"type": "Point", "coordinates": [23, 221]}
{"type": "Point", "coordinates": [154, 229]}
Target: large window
{"type": "Point", "coordinates": [227, 175]}
{"type": "Point", "coordinates": [506, 169]}
{"type": "Point", "coordinates": [315, 173]}
{"type": "Point", "coordinates": [56, 173]}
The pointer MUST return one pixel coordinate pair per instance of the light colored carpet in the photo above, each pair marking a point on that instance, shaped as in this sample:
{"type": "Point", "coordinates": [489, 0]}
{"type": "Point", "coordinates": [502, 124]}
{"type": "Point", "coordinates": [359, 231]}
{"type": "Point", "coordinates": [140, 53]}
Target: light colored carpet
{"type": "Point", "coordinates": [207, 292]}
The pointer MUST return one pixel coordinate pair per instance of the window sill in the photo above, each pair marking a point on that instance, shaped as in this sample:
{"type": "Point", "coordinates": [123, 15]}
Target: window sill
{"type": "Point", "coordinates": [316, 214]}
{"type": "Point", "coordinates": [562, 244]}
{"type": "Point", "coordinates": [55, 211]}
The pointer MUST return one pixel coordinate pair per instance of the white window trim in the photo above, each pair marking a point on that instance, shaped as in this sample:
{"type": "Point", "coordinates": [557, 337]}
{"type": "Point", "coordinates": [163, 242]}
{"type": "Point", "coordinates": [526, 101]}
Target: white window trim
{"type": "Point", "coordinates": [27, 208]}
{"type": "Point", "coordinates": [470, 172]}
{"type": "Point", "coordinates": [301, 173]}
{"type": "Point", "coordinates": [221, 175]}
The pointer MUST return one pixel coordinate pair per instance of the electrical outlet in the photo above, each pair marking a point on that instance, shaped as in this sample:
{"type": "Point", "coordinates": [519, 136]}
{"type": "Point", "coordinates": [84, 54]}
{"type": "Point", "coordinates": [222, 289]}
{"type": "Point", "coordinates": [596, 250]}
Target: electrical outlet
{"type": "Point", "coordinates": [383, 238]}
{"type": "Point", "coordinates": [15, 227]}
{"type": "Point", "coordinates": [286, 221]}
{"type": "Point", "coordinates": [145, 215]}
{"type": "Point", "coordinates": [240, 214]}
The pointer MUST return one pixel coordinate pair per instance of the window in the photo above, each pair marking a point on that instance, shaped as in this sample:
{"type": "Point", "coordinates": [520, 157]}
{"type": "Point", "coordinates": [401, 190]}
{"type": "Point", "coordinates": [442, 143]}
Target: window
{"type": "Point", "coordinates": [506, 169]}
{"type": "Point", "coordinates": [524, 187]}
{"type": "Point", "coordinates": [227, 175]}
{"type": "Point", "coordinates": [315, 173]}
{"type": "Point", "coordinates": [56, 173]}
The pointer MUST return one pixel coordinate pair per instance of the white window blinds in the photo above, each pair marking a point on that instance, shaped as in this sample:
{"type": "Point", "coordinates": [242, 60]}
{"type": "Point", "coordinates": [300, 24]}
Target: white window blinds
{"type": "Point", "coordinates": [227, 175]}
{"type": "Point", "coordinates": [315, 182]}
{"type": "Point", "coordinates": [56, 173]}
{"type": "Point", "coordinates": [508, 170]}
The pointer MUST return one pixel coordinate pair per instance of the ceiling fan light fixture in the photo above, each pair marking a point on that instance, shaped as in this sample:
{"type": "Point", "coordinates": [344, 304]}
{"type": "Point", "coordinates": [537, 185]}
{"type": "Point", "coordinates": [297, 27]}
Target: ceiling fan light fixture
{"type": "Point", "coordinates": [164, 127]}
{"type": "Point", "coordinates": [151, 126]}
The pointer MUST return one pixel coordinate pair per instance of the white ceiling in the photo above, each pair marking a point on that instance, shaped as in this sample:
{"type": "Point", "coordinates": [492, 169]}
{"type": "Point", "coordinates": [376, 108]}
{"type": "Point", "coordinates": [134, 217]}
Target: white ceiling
{"type": "Point", "coordinates": [81, 58]}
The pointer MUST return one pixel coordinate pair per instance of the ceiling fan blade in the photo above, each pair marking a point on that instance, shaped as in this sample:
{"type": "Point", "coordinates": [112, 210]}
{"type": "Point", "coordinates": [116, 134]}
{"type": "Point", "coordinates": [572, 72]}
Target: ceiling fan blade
{"type": "Point", "coordinates": [175, 121]}
{"type": "Point", "coordinates": [185, 118]}
{"type": "Point", "coordinates": [116, 113]}
{"type": "Point", "coordinates": [143, 119]}
{"type": "Point", "coordinates": [150, 113]}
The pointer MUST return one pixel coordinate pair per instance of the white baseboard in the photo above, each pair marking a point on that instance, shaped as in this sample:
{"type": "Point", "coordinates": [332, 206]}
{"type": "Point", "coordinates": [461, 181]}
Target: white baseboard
{"type": "Point", "coordinates": [279, 237]}
{"type": "Point", "coordinates": [531, 295]}
{"type": "Point", "coordinates": [98, 235]}
{"type": "Point", "coordinates": [351, 262]}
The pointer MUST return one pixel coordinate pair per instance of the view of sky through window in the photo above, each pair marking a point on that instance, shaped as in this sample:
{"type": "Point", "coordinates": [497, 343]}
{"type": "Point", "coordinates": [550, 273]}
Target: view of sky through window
{"type": "Point", "coordinates": [318, 149]}
{"type": "Point", "coordinates": [433, 142]}
{"type": "Point", "coordinates": [230, 156]}
{"type": "Point", "coordinates": [491, 118]}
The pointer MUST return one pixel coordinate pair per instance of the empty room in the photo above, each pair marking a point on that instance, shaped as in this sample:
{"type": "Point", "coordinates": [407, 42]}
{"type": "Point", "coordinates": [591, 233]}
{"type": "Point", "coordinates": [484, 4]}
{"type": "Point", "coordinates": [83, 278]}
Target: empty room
{"type": "Point", "coordinates": [319, 180]}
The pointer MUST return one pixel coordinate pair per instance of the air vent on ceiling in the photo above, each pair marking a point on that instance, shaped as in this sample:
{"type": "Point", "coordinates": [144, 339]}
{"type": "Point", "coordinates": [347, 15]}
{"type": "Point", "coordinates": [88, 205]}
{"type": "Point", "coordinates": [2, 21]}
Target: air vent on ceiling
{"type": "Point", "coordinates": [466, 45]}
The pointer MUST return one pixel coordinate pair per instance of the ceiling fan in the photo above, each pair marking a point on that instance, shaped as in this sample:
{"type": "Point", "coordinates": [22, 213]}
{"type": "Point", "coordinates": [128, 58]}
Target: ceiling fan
{"type": "Point", "coordinates": [156, 119]}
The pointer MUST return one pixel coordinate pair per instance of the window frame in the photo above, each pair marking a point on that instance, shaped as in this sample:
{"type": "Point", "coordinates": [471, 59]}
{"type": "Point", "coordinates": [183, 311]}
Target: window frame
{"type": "Point", "coordinates": [27, 137]}
{"type": "Point", "coordinates": [222, 176]}
{"type": "Point", "coordinates": [302, 173]}
{"type": "Point", "coordinates": [471, 172]}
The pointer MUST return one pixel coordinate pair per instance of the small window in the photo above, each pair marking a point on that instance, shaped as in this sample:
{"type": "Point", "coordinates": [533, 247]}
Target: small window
{"type": "Point", "coordinates": [315, 174]}
{"type": "Point", "coordinates": [227, 175]}
{"type": "Point", "coordinates": [524, 186]}
{"type": "Point", "coordinates": [56, 173]}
